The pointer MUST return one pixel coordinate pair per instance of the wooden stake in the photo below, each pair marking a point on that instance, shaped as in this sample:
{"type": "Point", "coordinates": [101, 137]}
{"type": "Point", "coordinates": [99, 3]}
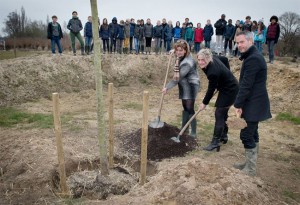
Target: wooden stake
{"type": "Point", "coordinates": [144, 137]}
{"type": "Point", "coordinates": [111, 125]}
{"type": "Point", "coordinates": [59, 144]}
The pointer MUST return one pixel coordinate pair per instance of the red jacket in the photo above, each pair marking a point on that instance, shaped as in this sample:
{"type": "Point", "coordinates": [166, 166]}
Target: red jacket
{"type": "Point", "coordinates": [198, 35]}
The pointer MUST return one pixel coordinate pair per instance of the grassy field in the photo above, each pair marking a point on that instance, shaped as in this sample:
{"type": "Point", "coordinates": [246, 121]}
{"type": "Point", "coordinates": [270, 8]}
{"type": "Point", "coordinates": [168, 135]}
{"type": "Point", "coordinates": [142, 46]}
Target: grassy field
{"type": "Point", "coordinates": [20, 53]}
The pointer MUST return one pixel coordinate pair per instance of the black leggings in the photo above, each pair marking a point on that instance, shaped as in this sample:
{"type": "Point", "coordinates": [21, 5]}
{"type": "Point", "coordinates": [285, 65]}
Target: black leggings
{"type": "Point", "coordinates": [221, 115]}
{"type": "Point", "coordinates": [148, 41]}
{"type": "Point", "coordinates": [188, 106]}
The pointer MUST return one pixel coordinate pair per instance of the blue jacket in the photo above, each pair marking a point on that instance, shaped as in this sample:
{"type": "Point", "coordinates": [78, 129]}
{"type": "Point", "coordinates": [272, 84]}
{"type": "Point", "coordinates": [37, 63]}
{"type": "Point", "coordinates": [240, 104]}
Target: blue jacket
{"type": "Point", "coordinates": [177, 32]}
{"type": "Point", "coordinates": [88, 29]}
{"type": "Point", "coordinates": [167, 33]}
{"type": "Point", "coordinates": [260, 37]}
{"type": "Point", "coordinates": [104, 32]}
{"type": "Point", "coordinates": [121, 32]}
{"type": "Point", "coordinates": [208, 32]}
{"type": "Point", "coordinates": [157, 31]}
{"type": "Point", "coordinates": [132, 26]}
{"type": "Point", "coordinates": [229, 32]}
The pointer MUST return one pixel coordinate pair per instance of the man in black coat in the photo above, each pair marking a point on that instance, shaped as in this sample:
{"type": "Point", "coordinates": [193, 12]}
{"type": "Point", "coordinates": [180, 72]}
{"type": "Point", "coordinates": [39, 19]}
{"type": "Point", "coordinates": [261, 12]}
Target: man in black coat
{"type": "Point", "coordinates": [252, 102]}
{"type": "Point", "coordinates": [221, 79]}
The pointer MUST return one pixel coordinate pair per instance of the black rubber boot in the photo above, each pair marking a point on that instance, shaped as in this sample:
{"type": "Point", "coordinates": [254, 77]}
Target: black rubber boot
{"type": "Point", "coordinates": [82, 50]}
{"type": "Point", "coordinates": [193, 132]}
{"type": "Point", "coordinates": [184, 120]}
{"type": "Point", "coordinates": [224, 137]}
{"type": "Point", "coordinates": [215, 142]}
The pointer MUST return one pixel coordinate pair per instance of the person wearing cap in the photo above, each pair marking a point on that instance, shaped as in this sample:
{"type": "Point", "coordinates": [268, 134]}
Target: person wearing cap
{"type": "Point", "coordinates": [54, 33]}
{"type": "Point", "coordinates": [273, 33]}
{"type": "Point", "coordinates": [220, 27]}
{"type": "Point", "coordinates": [260, 35]}
{"type": "Point", "coordinates": [113, 32]}
{"type": "Point", "coordinates": [75, 26]}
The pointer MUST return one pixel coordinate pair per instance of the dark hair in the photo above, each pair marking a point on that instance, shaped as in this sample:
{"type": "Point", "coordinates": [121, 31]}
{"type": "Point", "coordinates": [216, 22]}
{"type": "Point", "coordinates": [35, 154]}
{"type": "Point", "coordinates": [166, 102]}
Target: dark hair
{"type": "Point", "coordinates": [275, 18]}
{"type": "Point", "coordinates": [248, 17]}
{"type": "Point", "coordinates": [74, 12]}
{"type": "Point", "coordinates": [54, 17]}
{"type": "Point", "coordinates": [184, 45]}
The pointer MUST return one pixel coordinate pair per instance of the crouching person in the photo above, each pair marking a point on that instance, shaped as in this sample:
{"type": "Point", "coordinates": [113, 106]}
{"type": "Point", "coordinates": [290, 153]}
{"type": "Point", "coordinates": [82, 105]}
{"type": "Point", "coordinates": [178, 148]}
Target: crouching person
{"type": "Point", "coordinates": [252, 101]}
{"type": "Point", "coordinates": [222, 80]}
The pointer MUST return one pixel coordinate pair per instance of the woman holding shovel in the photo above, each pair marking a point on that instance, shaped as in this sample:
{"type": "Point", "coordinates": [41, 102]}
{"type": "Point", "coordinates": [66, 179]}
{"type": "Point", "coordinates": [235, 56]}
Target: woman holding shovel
{"type": "Point", "coordinates": [186, 76]}
{"type": "Point", "coordinates": [221, 79]}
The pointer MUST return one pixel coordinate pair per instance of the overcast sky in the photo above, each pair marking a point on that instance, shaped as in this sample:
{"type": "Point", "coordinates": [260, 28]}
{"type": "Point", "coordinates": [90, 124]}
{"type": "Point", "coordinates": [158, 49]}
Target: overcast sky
{"type": "Point", "coordinates": [196, 10]}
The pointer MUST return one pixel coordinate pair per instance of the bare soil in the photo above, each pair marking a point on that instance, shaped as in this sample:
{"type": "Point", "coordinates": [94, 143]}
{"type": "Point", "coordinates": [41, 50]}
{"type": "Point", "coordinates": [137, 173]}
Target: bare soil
{"type": "Point", "coordinates": [28, 160]}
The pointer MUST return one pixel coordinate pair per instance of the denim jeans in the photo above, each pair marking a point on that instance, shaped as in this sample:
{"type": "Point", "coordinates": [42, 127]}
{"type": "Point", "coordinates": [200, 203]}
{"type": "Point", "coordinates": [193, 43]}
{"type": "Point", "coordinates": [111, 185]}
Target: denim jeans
{"type": "Point", "coordinates": [55, 40]}
{"type": "Point", "coordinates": [88, 41]}
{"type": "Point", "coordinates": [137, 45]}
{"type": "Point", "coordinates": [168, 42]}
{"type": "Point", "coordinates": [157, 44]}
{"type": "Point", "coordinates": [197, 47]}
{"type": "Point", "coordinates": [271, 45]}
{"type": "Point", "coordinates": [249, 135]}
{"type": "Point", "coordinates": [258, 45]}
{"type": "Point", "coordinates": [207, 44]}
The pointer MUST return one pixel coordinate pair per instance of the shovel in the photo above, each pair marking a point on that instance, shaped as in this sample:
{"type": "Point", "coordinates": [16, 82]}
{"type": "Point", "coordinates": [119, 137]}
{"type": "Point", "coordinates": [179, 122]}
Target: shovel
{"type": "Point", "coordinates": [177, 139]}
{"type": "Point", "coordinates": [157, 123]}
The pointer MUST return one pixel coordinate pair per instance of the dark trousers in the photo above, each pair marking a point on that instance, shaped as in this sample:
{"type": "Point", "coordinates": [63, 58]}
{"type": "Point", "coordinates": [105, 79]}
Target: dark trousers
{"type": "Point", "coordinates": [221, 115]}
{"type": "Point", "coordinates": [130, 43]}
{"type": "Point", "coordinates": [227, 41]}
{"type": "Point", "coordinates": [105, 44]}
{"type": "Point", "coordinates": [249, 135]}
{"type": "Point", "coordinates": [113, 43]}
{"type": "Point", "coordinates": [148, 41]}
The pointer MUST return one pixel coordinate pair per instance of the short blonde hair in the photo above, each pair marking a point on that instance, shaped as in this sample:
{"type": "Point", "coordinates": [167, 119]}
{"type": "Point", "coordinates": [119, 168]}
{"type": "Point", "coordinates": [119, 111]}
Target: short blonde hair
{"type": "Point", "coordinates": [206, 54]}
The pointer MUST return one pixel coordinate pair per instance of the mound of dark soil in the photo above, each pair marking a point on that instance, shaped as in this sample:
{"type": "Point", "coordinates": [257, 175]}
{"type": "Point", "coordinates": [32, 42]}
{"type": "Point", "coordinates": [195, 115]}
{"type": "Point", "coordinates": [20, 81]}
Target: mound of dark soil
{"type": "Point", "coordinates": [160, 145]}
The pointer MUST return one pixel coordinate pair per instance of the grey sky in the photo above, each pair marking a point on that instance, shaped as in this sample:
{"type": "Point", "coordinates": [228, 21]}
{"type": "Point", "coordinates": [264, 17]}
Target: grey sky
{"type": "Point", "coordinates": [196, 10]}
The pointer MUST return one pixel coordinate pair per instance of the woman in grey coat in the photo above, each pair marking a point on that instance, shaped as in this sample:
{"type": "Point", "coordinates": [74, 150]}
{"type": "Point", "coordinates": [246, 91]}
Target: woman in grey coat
{"type": "Point", "coordinates": [186, 76]}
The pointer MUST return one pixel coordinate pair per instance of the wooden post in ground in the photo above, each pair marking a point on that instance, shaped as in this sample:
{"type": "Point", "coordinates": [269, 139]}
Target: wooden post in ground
{"type": "Point", "coordinates": [99, 91]}
{"type": "Point", "coordinates": [111, 125]}
{"type": "Point", "coordinates": [144, 140]}
{"type": "Point", "coordinates": [59, 144]}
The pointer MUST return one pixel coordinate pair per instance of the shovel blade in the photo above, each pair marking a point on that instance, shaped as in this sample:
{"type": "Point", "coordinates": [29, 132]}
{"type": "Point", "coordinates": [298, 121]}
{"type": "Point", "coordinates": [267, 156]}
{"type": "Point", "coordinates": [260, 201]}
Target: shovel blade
{"type": "Point", "coordinates": [156, 124]}
{"type": "Point", "coordinates": [176, 139]}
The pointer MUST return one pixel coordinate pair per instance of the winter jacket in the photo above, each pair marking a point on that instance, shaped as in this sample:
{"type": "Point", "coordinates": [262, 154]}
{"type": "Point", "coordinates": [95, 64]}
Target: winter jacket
{"type": "Point", "coordinates": [198, 35]}
{"type": "Point", "coordinates": [167, 33]}
{"type": "Point", "coordinates": [220, 78]}
{"type": "Point", "coordinates": [121, 32]}
{"type": "Point", "coordinates": [208, 32]}
{"type": "Point", "coordinates": [273, 32]}
{"type": "Point", "coordinates": [74, 25]}
{"type": "Point", "coordinates": [183, 30]}
{"type": "Point", "coordinates": [220, 26]}
{"type": "Point", "coordinates": [157, 31]}
{"type": "Point", "coordinates": [248, 27]}
{"type": "Point", "coordinates": [229, 32]}
{"type": "Point", "coordinates": [189, 34]}
{"type": "Point", "coordinates": [148, 30]}
{"type": "Point", "coordinates": [113, 28]}
{"type": "Point", "coordinates": [260, 36]}
{"type": "Point", "coordinates": [104, 32]}
{"type": "Point", "coordinates": [88, 29]}
{"type": "Point", "coordinates": [253, 95]}
{"type": "Point", "coordinates": [127, 30]}
{"type": "Point", "coordinates": [132, 26]}
{"type": "Point", "coordinates": [50, 30]}
{"type": "Point", "coordinates": [177, 32]}
{"type": "Point", "coordinates": [137, 31]}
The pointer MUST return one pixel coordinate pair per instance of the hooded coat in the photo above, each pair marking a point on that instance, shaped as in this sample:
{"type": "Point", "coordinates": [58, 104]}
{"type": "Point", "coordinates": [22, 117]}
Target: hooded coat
{"type": "Point", "coordinates": [75, 25]}
{"type": "Point", "coordinates": [208, 32]}
{"type": "Point", "coordinates": [113, 28]}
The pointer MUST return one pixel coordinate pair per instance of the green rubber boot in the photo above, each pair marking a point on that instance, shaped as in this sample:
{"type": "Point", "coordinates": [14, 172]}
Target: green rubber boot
{"type": "Point", "coordinates": [251, 159]}
{"type": "Point", "coordinates": [193, 132]}
{"type": "Point", "coordinates": [242, 165]}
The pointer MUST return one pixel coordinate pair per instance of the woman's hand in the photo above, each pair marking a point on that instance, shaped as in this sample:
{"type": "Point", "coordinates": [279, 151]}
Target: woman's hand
{"type": "Point", "coordinates": [164, 90]}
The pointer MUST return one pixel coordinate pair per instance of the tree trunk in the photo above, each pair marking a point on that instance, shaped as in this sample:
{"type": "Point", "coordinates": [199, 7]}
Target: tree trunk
{"type": "Point", "coordinates": [99, 92]}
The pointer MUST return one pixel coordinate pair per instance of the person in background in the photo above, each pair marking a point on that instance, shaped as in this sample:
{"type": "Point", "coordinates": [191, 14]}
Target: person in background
{"type": "Point", "coordinates": [177, 32]}
{"type": "Point", "coordinates": [186, 76]}
{"type": "Point", "coordinates": [273, 33]}
{"type": "Point", "coordinates": [157, 35]}
{"type": "Point", "coordinates": [260, 36]}
{"type": "Point", "coordinates": [248, 24]}
{"type": "Point", "coordinates": [104, 35]}
{"type": "Point", "coordinates": [189, 34]}
{"type": "Point", "coordinates": [148, 30]}
{"type": "Point", "coordinates": [132, 27]}
{"type": "Point", "coordinates": [229, 36]}
{"type": "Point", "coordinates": [220, 27]}
{"type": "Point", "coordinates": [252, 102]}
{"type": "Point", "coordinates": [113, 32]}
{"type": "Point", "coordinates": [220, 79]}
{"type": "Point", "coordinates": [208, 32]}
{"type": "Point", "coordinates": [238, 30]}
{"type": "Point", "coordinates": [54, 33]}
{"type": "Point", "coordinates": [137, 37]}
{"type": "Point", "coordinates": [120, 37]}
{"type": "Point", "coordinates": [198, 37]}
{"type": "Point", "coordinates": [88, 35]}
{"type": "Point", "coordinates": [168, 35]}
{"type": "Point", "coordinates": [164, 42]}
{"type": "Point", "coordinates": [75, 26]}
{"type": "Point", "coordinates": [235, 49]}
{"type": "Point", "coordinates": [142, 36]}
{"type": "Point", "coordinates": [127, 36]}
{"type": "Point", "coordinates": [183, 29]}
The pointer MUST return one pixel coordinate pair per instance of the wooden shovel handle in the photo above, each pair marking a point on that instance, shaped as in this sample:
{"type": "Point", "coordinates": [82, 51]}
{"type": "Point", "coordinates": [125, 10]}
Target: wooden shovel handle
{"type": "Point", "coordinates": [189, 122]}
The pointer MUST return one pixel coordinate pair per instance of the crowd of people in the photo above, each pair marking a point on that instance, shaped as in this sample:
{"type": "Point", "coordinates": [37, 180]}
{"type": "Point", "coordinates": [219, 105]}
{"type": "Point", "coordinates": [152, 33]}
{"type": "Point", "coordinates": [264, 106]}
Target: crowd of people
{"type": "Point", "coordinates": [137, 37]}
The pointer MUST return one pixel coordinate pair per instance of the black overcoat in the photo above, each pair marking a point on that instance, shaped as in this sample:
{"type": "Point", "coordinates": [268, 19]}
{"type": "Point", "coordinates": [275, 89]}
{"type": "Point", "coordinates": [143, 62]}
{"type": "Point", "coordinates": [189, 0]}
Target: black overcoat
{"type": "Point", "coordinates": [253, 95]}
